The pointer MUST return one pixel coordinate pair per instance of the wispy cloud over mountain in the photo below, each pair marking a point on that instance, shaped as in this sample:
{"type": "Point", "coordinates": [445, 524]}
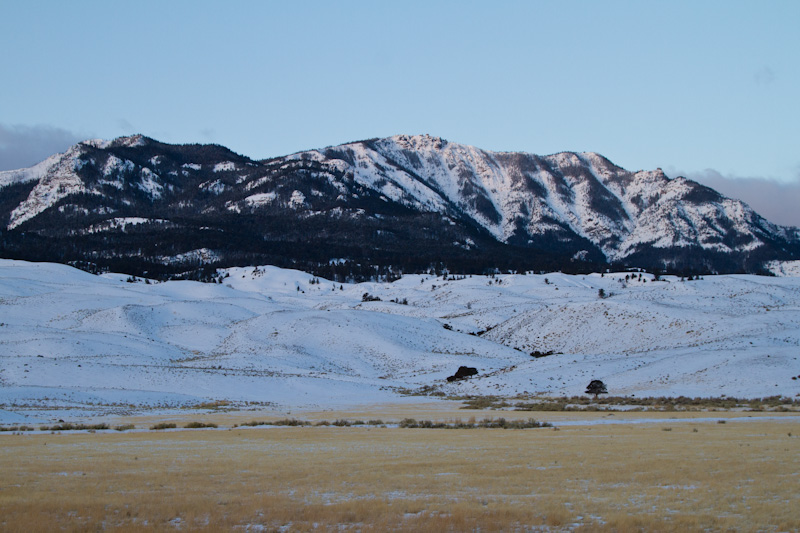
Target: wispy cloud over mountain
{"type": "Point", "coordinates": [775, 200]}
{"type": "Point", "coordinates": [23, 146]}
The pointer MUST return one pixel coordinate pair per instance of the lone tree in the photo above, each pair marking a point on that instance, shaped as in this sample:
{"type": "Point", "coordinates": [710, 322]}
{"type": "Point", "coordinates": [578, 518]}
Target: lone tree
{"type": "Point", "coordinates": [596, 387]}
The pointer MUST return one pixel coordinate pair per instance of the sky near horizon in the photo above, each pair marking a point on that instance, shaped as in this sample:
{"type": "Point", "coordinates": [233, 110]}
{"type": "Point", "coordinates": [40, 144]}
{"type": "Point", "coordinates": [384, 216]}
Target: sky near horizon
{"type": "Point", "coordinates": [705, 89]}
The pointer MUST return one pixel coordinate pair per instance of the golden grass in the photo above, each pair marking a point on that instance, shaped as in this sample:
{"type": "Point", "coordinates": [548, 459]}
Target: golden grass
{"type": "Point", "coordinates": [738, 476]}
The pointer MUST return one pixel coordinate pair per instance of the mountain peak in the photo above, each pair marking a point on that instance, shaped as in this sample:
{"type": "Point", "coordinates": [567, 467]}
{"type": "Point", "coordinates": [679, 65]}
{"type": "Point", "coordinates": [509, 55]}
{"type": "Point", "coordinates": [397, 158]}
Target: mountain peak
{"type": "Point", "coordinates": [96, 143]}
{"type": "Point", "coordinates": [418, 142]}
{"type": "Point", "coordinates": [131, 141]}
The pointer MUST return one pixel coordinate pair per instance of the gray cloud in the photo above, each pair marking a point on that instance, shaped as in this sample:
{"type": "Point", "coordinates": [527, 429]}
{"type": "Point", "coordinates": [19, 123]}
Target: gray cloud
{"type": "Point", "coordinates": [208, 133]}
{"type": "Point", "coordinates": [126, 127]}
{"type": "Point", "coordinates": [24, 146]}
{"type": "Point", "coordinates": [778, 202]}
{"type": "Point", "coordinates": [764, 76]}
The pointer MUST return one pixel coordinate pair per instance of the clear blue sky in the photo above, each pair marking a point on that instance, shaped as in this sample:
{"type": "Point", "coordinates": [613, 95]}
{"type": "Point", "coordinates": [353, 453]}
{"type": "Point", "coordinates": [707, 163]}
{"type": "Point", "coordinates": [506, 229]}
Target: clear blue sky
{"type": "Point", "coordinates": [708, 89]}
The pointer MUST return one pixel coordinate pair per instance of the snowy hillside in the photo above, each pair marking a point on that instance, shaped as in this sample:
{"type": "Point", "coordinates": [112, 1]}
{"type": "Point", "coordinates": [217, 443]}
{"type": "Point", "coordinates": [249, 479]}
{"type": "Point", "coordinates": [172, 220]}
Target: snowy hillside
{"type": "Point", "coordinates": [282, 337]}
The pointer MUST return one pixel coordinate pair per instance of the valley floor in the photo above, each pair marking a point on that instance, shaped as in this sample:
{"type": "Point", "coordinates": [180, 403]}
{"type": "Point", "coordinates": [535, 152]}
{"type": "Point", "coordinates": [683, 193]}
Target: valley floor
{"type": "Point", "coordinates": [648, 471]}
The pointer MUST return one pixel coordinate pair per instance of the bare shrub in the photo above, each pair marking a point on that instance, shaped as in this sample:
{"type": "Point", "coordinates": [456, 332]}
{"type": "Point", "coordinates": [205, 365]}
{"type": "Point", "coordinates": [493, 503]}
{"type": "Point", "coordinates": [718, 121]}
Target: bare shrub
{"type": "Point", "coordinates": [198, 425]}
{"type": "Point", "coordinates": [164, 425]}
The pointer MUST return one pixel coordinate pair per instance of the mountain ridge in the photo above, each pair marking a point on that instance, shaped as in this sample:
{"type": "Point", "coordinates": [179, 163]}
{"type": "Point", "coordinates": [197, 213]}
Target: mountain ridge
{"type": "Point", "coordinates": [372, 202]}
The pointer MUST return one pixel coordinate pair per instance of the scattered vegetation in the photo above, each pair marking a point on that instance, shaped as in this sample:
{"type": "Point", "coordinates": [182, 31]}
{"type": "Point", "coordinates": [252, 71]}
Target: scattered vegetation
{"type": "Point", "coordinates": [16, 428]}
{"type": "Point", "coordinates": [216, 405]}
{"type": "Point", "coordinates": [425, 390]}
{"type": "Point", "coordinates": [486, 423]}
{"type": "Point", "coordinates": [124, 427]}
{"type": "Point", "coordinates": [199, 425]}
{"type": "Point", "coordinates": [281, 422]}
{"type": "Point", "coordinates": [67, 426]}
{"type": "Point", "coordinates": [485, 402]}
{"type": "Point", "coordinates": [164, 425]}
{"type": "Point", "coordinates": [347, 423]}
{"type": "Point", "coordinates": [631, 403]}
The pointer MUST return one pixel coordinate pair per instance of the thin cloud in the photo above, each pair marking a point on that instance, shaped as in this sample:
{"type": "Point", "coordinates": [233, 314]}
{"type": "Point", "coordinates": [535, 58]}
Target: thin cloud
{"type": "Point", "coordinates": [764, 76]}
{"type": "Point", "coordinates": [208, 133]}
{"type": "Point", "coordinates": [126, 127]}
{"type": "Point", "coordinates": [24, 146]}
{"type": "Point", "coordinates": [774, 200]}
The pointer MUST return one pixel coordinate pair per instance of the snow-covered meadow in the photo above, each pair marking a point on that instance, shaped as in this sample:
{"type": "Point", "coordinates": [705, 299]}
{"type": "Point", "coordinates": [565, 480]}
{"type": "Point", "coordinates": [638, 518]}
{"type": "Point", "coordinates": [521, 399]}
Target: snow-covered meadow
{"type": "Point", "coordinates": [75, 343]}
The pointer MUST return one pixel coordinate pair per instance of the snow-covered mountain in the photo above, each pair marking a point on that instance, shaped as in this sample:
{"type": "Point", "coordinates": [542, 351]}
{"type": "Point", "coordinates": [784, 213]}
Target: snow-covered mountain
{"type": "Point", "coordinates": [518, 197]}
{"type": "Point", "coordinates": [404, 201]}
{"type": "Point", "coordinates": [101, 344]}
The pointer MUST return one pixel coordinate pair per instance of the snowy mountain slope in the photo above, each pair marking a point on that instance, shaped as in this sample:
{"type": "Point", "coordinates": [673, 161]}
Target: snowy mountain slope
{"type": "Point", "coordinates": [784, 268]}
{"type": "Point", "coordinates": [520, 196]}
{"type": "Point", "coordinates": [55, 178]}
{"type": "Point", "coordinates": [400, 202]}
{"type": "Point", "coordinates": [267, 335]}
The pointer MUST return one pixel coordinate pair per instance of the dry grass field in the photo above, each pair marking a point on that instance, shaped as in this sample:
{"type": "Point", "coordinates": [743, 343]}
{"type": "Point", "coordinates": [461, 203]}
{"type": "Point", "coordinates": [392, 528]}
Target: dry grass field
{"type": "Point", "coordinates": [681, 475]}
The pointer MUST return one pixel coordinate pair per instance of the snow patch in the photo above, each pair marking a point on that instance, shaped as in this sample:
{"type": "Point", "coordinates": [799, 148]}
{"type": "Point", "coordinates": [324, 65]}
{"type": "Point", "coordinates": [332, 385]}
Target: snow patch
{"type": "Point", "coordinates": [97, 143]}
{"type": "Point", "coordinates": [297, 200]}
{"type": "Point", "coordinates": [122, 223]}
{"type": "Point", "coordinates": [150, 183]}
{"type": "Point", "coordinates": [260, 199]}
{"type": "Point", "coordinates": [214, 187]}
{"type": "Point", "coordinates": [202, 255]}
{"type": "Point", "coordinates": [225, 166]}
{"type": "Point", "coordinates": [115, 165]}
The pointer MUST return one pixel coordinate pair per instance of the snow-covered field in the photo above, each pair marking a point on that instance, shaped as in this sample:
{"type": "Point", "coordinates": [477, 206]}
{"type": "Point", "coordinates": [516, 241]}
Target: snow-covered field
{"type": "Point", "coordinates": [72, 343]}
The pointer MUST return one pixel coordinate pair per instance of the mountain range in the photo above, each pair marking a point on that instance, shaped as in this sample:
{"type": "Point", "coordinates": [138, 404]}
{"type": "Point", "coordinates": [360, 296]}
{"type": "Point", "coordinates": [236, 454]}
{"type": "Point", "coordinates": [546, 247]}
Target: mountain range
{"type": "Point", "coordinates": [371, 209]}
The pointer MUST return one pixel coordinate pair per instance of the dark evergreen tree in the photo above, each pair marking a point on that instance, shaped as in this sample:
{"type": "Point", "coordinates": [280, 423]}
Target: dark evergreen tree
{"type": "Point", "coordinates": [596, 387]}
